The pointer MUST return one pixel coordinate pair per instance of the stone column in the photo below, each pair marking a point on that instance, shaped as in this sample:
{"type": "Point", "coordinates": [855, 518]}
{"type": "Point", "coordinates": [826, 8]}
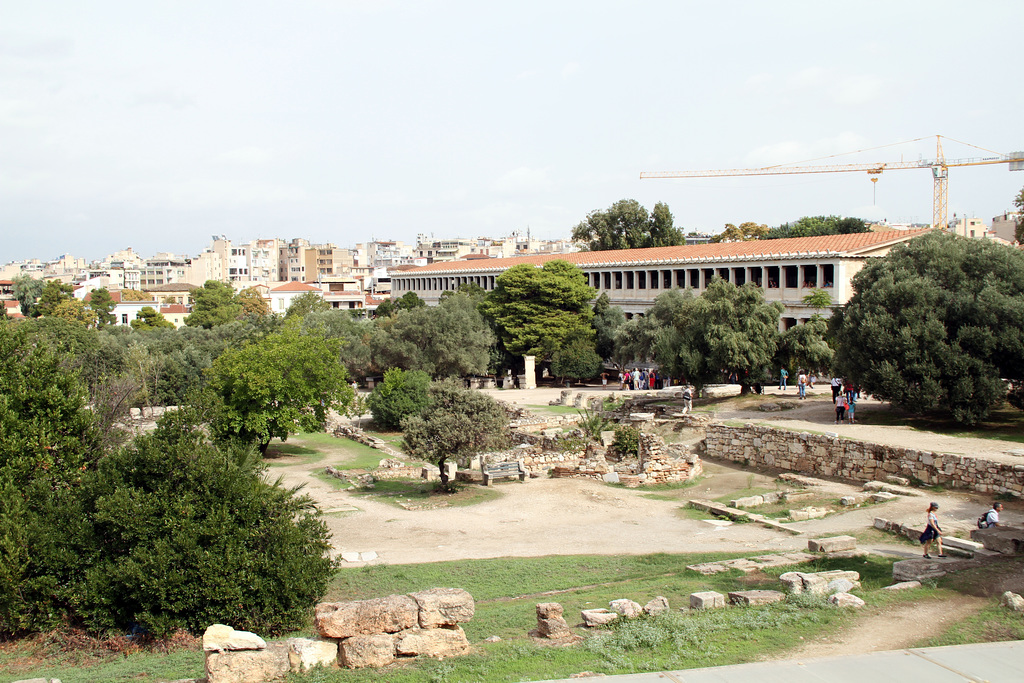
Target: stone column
{"type": "Point", "coordinates": [528, 380]}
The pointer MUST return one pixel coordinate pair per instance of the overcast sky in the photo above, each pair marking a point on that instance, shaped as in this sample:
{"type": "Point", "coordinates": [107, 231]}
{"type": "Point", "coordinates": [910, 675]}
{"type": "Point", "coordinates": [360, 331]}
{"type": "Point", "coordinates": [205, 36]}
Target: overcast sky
{"type": "Point", "coordinates": [158, 124]}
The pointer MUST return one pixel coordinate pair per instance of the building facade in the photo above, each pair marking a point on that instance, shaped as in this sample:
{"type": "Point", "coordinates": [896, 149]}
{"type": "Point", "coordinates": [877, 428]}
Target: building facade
{"type": "Point", "coordinates": [786, 270]}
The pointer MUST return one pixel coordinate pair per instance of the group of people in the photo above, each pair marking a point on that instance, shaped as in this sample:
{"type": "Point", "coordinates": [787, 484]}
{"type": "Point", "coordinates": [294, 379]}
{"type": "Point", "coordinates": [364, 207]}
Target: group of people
{"type": "Point", "coordinates": [845, 396]}
{"type": "Point", "coordinates": [933, 533]}
{"type": "Point", "coordinates": [637, 379]}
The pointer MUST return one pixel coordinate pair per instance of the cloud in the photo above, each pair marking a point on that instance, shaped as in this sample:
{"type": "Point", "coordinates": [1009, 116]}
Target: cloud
{"type": "Point", "coordinates": [523, 179]}
{"type": "Point", "coordinates": [570, 69]}
{"type": "Point", "coordinates": [857, 90]}
{"type": "Point", "coordinates": [794, 151]}
{"type": "Point", "coordinates": [22, 47]}
{"type": "Point", "coordinates": [165, 98]}
{"type": "Point", "coordinates": [243, 156]}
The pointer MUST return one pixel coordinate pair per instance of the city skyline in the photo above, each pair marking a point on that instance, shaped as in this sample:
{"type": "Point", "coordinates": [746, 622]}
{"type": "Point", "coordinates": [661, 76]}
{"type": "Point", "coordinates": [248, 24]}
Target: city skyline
{"type": "Point", "coordinates": [157, 126]}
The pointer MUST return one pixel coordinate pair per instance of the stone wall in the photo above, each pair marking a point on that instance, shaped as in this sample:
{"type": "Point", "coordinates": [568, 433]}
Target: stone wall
{"type": "Point", "coordinates": [859, 460]}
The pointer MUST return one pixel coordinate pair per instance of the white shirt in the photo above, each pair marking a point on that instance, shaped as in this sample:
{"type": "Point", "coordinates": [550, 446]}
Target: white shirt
{"type": "Point", "coordinates": [992, 518]}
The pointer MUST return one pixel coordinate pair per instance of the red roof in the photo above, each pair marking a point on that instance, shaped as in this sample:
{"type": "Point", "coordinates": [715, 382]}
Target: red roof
{"type": "Point", "coordinates": [173, 308]}
{"type": "Point", "coordinates": [296, 287]}
{"type": "Point", "coordinates": [824, 245]}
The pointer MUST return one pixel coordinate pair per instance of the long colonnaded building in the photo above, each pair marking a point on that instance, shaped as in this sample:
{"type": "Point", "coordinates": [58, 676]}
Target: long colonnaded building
{"type": "Point", "coordinates": [786, 270]}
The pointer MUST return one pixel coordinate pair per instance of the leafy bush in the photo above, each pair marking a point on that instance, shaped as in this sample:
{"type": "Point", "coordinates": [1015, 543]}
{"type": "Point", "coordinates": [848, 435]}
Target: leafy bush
{"type": "Point", "coordinates": [592, 424]}
{"type": "Point", "coordinates": [401, 394]}
{"type": "Point", "coordinates": [627, 439]}
{"type": "Point", "coordinates": [182, 535]}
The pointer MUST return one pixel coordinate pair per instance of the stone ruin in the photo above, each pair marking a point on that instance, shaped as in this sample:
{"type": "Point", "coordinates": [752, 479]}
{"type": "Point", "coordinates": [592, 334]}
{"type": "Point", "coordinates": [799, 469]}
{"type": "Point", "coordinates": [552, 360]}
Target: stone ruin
{"type": "Point", "coordinates": [354, 634]}
{"type": "Point", "coordinates": [655, 463]}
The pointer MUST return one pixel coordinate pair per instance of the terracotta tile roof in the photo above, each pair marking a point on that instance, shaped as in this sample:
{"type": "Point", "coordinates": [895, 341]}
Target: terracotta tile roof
{"type": "Point", "coordinates": [173, 308]}
{"type": "Point", "coordinates": [296, 287]}
{"type": "Point", "coordinates": [754, 249]}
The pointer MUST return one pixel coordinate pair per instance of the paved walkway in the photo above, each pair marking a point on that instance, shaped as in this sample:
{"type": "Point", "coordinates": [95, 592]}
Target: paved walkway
{"type": "Point", "coordinates": [982, 662]}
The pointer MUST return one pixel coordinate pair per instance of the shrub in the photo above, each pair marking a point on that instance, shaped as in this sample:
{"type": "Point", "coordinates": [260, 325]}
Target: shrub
{"type": "Point", "coordinates": [401, 394]}
{"type": "Point", "coordinates": [627, 439]}
{"type": "Point", "coordinates": [183, 535]}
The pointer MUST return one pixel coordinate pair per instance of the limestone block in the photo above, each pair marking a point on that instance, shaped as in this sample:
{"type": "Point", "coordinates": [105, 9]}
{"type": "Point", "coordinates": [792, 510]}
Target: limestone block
{"type": "Point", "coordinates": [882, 524]}
{"type": "Point", "coordinates": [839, 586]}
{"type": "Point", "coordinates": [444, 607]}
{"type": "Point", "coordinates": [706, 600]}
{"type": "Point", "coordinates": [883, 497]}
{"type": "Point", "coordinates": [306, 653]}
{"type": "Point", "coordinates": [900, 481]}
{"type": "Point", "coordinates": [1001, 539]}
{"type": "Point", "coordinates": [845, 600]}
{"type": "Point", "coordinates": [218, 638]}
{"type": "Point", "coordinates": [902, 586]}
{"type": "Point", "coordinates": [793, 496]}
{"type": "Point", "coordinates": [362, 617]}
{"type": "Point", "coordinates": [247, 666]}
{"type": "Point", "coordinates": [793, 581]}
{"type": "Point", "coordinates": [626, 607]}
{"type": "Point", "coordinates": [747, 502]}
{"type": "Point", "coordinates": [658, 605]}
{"type": "Point", "coordinates": [1012, 601]}
{"type": "Point", "coordinates": [831, 544]}
{"type": "Point", "coordinates": [550, 623]}
{"type": "Point", "coordinates": [758, 597]}
{"type": "Point", "coordinates": [432, 642]}
{"type": "Point", "coordinates": [597, 617]}
{"type": "Point", "coordinates": [359, 652]}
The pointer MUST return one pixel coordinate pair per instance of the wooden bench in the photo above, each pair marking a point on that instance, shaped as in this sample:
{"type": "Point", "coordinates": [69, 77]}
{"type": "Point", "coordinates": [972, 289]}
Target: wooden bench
{"type": "Point", "coordinates": [497, 470]}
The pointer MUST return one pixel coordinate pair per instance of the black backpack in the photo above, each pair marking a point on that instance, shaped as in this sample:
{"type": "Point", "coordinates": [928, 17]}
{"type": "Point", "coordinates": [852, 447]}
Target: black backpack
{"type": "Point", "coordinates": [983, 521]}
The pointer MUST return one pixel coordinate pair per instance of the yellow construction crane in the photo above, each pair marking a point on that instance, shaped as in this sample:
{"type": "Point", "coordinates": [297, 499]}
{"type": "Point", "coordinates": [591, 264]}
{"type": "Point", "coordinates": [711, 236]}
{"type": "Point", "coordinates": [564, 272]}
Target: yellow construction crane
{"type": "Point", "coordinates": [939, 167]}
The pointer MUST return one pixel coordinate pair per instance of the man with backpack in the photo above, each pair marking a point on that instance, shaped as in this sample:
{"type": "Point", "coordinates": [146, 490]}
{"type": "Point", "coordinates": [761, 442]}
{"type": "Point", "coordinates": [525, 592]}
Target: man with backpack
{"type": "Point", "coordinates": [991, 518]}
{"type": "Point", "coordinates": [841, 405]}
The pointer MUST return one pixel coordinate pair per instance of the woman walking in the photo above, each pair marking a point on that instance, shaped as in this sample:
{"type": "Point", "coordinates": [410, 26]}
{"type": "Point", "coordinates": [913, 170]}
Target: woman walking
{"type": "Point", "coordinates": [932, 532]}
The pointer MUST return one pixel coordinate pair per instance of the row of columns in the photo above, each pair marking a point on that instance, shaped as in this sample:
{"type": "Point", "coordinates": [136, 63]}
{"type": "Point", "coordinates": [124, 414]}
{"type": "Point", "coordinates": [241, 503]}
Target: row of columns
{"type": "Point", "coordinates": [807, 276]}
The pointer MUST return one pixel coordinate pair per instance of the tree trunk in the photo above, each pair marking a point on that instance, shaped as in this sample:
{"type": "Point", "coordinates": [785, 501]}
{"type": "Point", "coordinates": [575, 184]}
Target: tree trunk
{"type": "Point", "coordinates": [443, 472]}
{"type": "Point", "coordinates": [263, 448]}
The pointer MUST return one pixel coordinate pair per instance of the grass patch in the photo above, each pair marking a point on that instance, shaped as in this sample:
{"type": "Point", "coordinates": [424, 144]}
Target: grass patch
{"type": "Point", "coordinates": [285, 454]}
{"type": "Point", "coordinates": [992, 624]}
{"type": "Point", "coordinates": [554, 410]}
{"type": "Point", "coordinates": [416, 492]}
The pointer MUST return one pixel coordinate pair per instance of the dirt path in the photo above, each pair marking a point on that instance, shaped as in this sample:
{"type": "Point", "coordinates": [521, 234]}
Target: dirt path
{"type": "Point", "coordinates": [892, 628]}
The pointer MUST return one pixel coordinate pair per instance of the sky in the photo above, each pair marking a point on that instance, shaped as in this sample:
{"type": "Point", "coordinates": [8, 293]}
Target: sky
{"type": "Point", "coordinates": [157, 125]}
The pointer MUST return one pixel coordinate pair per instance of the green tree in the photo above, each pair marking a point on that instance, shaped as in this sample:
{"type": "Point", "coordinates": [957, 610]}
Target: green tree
{"type": "Point", "coordinates": [305, 303]}
{"type": "Point", "coordinates": [213, 304]}
{"type": "Point", "coordinates": [804, 346]}
{"type": "Point", "coordinates": [818, 299]}
{"type": "Point", "coordinates": [745, 232]}
{"type": "Point", "coordinates": [101, 302]}
{"type": "Point", "coordinates": [354, 335]}
{"type": "Point", "coordinates": [607, 319]}
{"type": "Point", "coordinates": [135, 295]}
{"type": "Point", "coordinates": [451, 339]}
{"type": "Point", "coordinates": [727, 329]}
{"type": "Point", "coordinates": [938, 323]}
{"type": "Point", "coordinates": [400, 395]}
{"type": "Point", "coordinates": [253, 303]}
{"type": "Point", "coordinates": [816, 226]}
{"type": "Point", "coordinates": [54, 292]}
{"type": "Point", "coordinates": [27, 290]}
{"type": "Point", "coordinates": [150, 319]}
{"type": "Point", "coordinates": [536, 310]}
{"type": "Point", "coordinates": [409, 301]}
{"type": "Point", "coordinates": [179, 534]}
{"type": "Point", "coordinates": [576, 360]}
{"type": "Point", "coordinates": [284, 383]}
{"type": "Point", "coordinates": [75, 311]}
{"type": "Point", "coordinates": [627, 225]}
{"type": "Point", "coordinates": [456, 425]}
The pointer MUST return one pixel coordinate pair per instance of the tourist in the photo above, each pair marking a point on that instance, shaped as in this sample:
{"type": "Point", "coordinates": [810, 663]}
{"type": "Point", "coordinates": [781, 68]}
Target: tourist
{"type": "Point", "coordinates": [851, 406]}
{"type": "Point", "coordinates": [783, 376]}
{"type": "Point", "coordinates": [634, 381]}
{"type": "Point", "coordinates": [849, 389]}
{"type": "Point", "coordinates": [801, 385]}
{"type": "Point", "coordinates": [841, 406]}
{"type": "Point", "coordinates": [932, 532]}
{"type": "Point", "coordinates": [811, 380]}
{"type": "Point", "coordinates": [991, 518]}
{"type": "Point", "coordinates": [837, 385]}
{"type": "Point", "coordinates": [687, 399]}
